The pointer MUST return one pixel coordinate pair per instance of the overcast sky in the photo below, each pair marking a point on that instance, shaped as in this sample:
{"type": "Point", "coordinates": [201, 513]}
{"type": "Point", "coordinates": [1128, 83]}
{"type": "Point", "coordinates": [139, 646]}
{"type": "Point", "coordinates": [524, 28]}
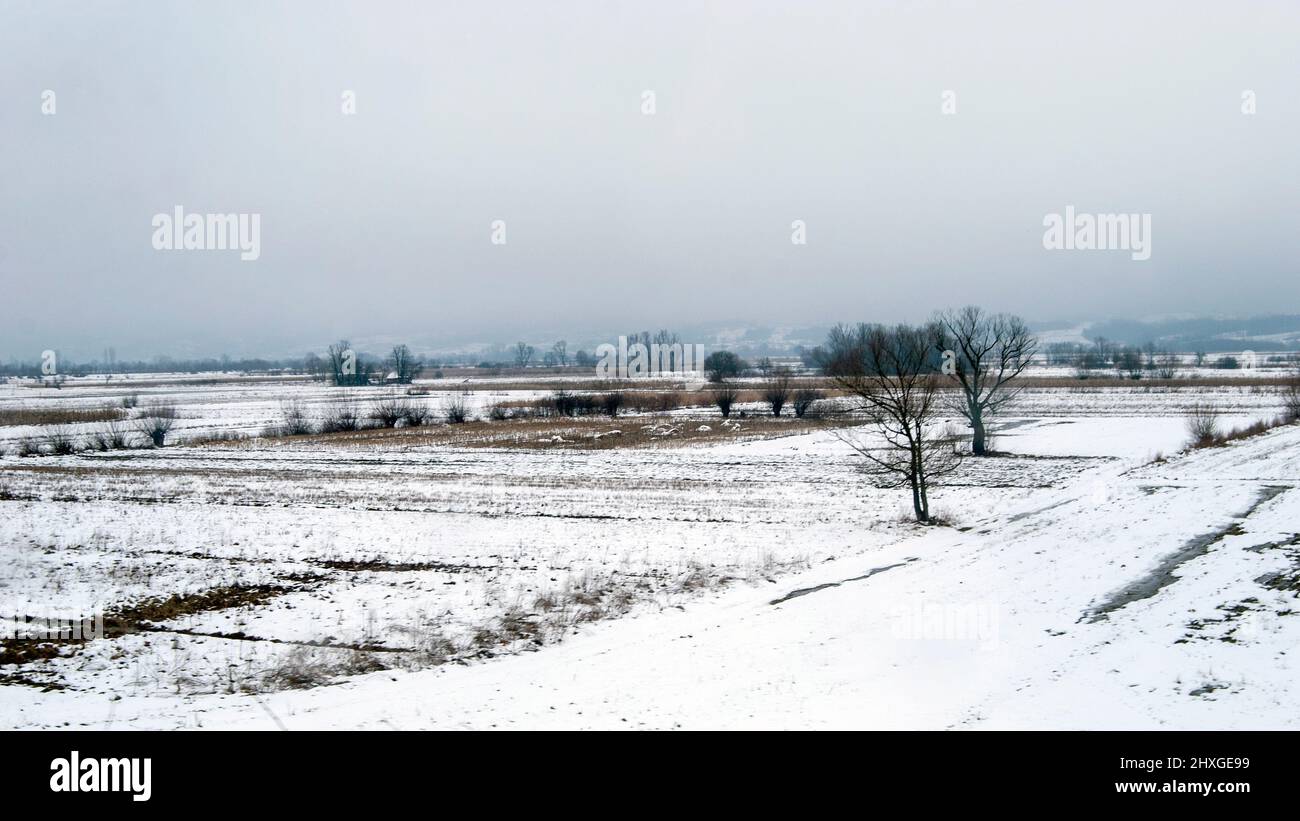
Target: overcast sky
{"type": "Point", "coordinates": [532, 113]}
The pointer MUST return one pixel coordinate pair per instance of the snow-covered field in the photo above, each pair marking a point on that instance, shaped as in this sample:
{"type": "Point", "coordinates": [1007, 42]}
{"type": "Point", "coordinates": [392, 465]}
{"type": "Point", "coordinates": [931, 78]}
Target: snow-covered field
{"type": "Point", "coordinates": [728, 582]}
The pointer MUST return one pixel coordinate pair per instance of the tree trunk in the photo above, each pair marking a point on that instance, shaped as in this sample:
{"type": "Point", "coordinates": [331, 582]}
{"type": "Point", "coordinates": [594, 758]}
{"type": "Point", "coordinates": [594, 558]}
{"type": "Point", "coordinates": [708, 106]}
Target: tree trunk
{"type": "Point", "coordinates": [977, 432]}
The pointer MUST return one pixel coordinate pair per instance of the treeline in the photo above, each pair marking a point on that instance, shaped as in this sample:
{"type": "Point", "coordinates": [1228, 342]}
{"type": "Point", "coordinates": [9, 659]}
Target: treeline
{"type": "Point", "coordinates": [160, 364]}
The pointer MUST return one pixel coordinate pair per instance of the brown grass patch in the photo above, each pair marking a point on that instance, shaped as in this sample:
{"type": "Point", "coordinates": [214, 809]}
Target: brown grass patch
{"type": "Point", "coordinates": [582, 433]}
{"type": "Point", "coordinates": [59, 416]}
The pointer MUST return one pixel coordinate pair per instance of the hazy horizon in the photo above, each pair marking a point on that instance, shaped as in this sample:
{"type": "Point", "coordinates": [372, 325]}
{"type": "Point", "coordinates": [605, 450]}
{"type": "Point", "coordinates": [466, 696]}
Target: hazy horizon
{"type": "Point", "coordinates": [380, 222]}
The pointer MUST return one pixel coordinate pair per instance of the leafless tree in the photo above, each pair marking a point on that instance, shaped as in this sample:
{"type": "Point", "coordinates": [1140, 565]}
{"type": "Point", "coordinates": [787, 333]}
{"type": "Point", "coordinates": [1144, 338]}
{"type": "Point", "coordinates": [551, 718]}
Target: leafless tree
{"type": "Point", "coordinates": [1203, 424]}
{"type": "Point", "coordinates": [156, 421]}
{"type": "Point", "coordinates": [111, 436]}
{"type": "Point", "coordinates": [389, 412]}
{"type": "Point", "coordinates": [417, 414]}
{"type": "Point", "coordinates": [295, 421]}
{"type": "Point", "coordinates": [1291, 398]}
{"type": "Point", "coordinates": [803, 400]}
{"type": "Point", "coordinates": [560, 352]}
{"type": "Point", "coordinates": [403, 364]}
{"type": "Point", "coordinates": [455, 411]}
{"type": "Point", "coordinates": [523, 354]}
{"type": "Point", "coordinates": [988, 352]}
{"type": "Point", "coordinates": [890, 372]}
{"type": "Point", "coordinates": [343, 415]}
{"type": "Point", "coordinates": [724, 396]}
{"type": "Point", "coordinates": [611, 403]}
{"type": "Point", "coordinates": [345, 366]}
{"type": "Point", "coordinates": [776, 391]}
{"type": "Point", "coordinates": [60, 441]}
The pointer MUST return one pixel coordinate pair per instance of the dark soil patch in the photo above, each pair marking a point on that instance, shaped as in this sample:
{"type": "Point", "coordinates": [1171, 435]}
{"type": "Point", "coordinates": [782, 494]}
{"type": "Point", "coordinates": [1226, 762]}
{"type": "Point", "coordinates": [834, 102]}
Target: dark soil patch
{"type": "Point", "coordinates": [144, 615]}
{"type": "Point", "coordinates": [359, 565]}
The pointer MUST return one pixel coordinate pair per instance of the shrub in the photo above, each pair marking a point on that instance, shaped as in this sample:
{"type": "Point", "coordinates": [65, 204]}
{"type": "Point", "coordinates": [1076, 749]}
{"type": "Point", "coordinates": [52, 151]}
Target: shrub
{"type": "Point", "coordinates": [724, 397]}
{"type": "Point", "coordinates": [294, 419]}
{"type": "Point", "coordinates": [343, 415]}
{"type": "Point", "coordinates": [1203, 424]}
{"type": "Point", "coordinates": [109, 437]}
{"type": "Point", "coordinates": [803, 401]}
{"type": "Point", "coordinates": [156, 421]}
{"type": "Point", "coordinates": [610, 403]}
{"type": "Point", "coordinates": [386, 413]}
{"type": "Point", "coordinates": [417, 414]}
{"type": "Point", "coordinates": [564, 403]}
{"type": "Point", "coordinates": [776, 391]}
{"type": "Point", "coordinates": [1291, 400]}
{"type": "Point", "coordinates": [59, 440]}
{"type": "Point", "coordinates": [498, 413]}
{"type": "Point", "coordinates": [455, 411]}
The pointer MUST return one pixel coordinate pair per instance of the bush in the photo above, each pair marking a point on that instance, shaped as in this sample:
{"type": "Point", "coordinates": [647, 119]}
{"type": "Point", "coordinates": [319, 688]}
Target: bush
{"type": "Point", "coordinates": [610, 403]}
{"type": "Point", "coordinates": [27, 446]}
{"type": "Point", "coordinates": [498, 413]}
{"type": "Point", "coordinates": [417, 414]}
{"type": "Point", "coordinates": [1203, 424]}
{"type": "Point", "coordinates": [564, 403]}
{"type": "Point", "coordinates": [455, 411]}
{"type": "Point", "coordinates": [60, 442]}
{"type": "Point", "coordinates": [724, 397]}
{"type": "Point", "coordinates": [156, 421]}
{"type": "Point", "coordinates": [109, 437]}
{"type": "Point", "coordinates": [1291, 400]}
{"type": "Point", "coordinates": [776, 391]}
{"type": "Point", "coordinates": [803, 401]}
{"type": "Point", "coordinates": [343, 415]}
{"type": "Point", "coordinates": [721, 364]}
{"type": "Point", "coordinates": [294, 419]}
{"type": "Point", "coordinates": [386, 413]}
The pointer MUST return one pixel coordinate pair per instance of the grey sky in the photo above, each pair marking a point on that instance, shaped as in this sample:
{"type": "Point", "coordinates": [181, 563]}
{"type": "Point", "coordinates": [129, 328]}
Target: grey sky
{"type": "Point", "coordinates": [531, 113]}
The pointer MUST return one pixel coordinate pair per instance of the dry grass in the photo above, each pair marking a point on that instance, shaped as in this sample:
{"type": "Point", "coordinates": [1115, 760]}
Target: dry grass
{"type": "Point", "coordinates": [59, 416]}
{"type": "Point", "coordinates": [583, 433]}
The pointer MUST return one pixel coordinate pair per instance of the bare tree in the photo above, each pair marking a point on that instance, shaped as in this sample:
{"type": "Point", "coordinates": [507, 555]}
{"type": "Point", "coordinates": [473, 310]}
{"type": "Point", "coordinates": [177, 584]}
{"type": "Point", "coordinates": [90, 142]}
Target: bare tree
{"type": "Point", "coordinates": [110, 436]}
{"type": "Point", "coordinates": [724, 396]}
{"type": "Point", "coordinates": [983, 354]}
{"type": "Point", "coordinates": [776, 391]}
{"type": "Point", "coordinates": [890, 371]}
{"type": "Point", "coordinates": [523, 354]}
{"type": "Point", "coordinates": [343, 415]}
{"type": "Point", "coordinates": [560, 352]}
{"type": "Point", "coordinates": [296, 421]}
{"type": "Point", "coordinates": [611, 402]}
{"type": "Point", "coordinates": [455, 411]}
{"type": "Point", "coordinates": [803, 400]}
{"type": "Point", "coordinates": [344, 365]}
{"type": "Point", "coordinates": [1291, 398]}
{"type": "Point", "coordinates": [59, 440]}
{"type": "Point", "coordinates": [1203, 424]}
{"type": "Point", "coordinates": [403, 364]}
{"type": "Point", "coordinates": [156, 422]}
{"type": "Point", "coordinates": [389, 412]}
